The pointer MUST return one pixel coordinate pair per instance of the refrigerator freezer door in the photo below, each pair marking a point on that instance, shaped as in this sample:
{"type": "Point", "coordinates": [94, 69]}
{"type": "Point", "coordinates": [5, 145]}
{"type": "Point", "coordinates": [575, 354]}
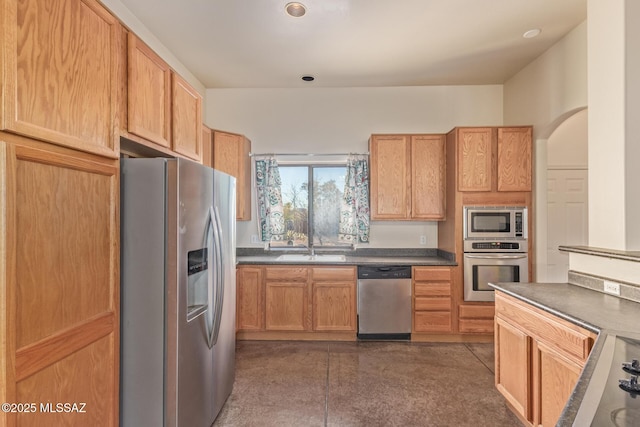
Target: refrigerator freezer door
{"type": "Point", "coordinates": [193, 364]}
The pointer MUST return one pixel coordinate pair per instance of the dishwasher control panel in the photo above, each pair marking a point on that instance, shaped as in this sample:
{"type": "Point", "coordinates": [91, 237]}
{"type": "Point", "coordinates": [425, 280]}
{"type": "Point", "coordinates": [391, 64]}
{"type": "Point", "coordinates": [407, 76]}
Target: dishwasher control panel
{"type": "Point", "coordinates": [384, 272]}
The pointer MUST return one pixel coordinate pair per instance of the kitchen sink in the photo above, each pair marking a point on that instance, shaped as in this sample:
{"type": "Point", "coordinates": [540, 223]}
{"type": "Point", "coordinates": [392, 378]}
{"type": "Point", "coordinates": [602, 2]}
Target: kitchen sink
{"type": "Point", "coordinates": [311, 258]}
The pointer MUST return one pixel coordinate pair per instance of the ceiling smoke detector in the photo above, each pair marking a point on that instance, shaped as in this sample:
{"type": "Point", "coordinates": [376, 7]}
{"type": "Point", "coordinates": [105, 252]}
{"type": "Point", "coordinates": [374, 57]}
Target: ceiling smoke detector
{"type": "Point", "coordinates": [308, 78]}
{"type": "Point", "coordinates": [295, 9]}
{"type": "Point", "coordinates": [532, 33]}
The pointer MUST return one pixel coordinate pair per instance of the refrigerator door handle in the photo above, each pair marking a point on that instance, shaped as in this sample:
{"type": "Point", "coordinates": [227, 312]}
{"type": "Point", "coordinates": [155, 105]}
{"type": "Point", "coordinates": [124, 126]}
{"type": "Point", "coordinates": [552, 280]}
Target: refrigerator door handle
{"type": "Point", "coordinates": [219, 283]}
{"type": "Point", "coordinates": [209, 317]}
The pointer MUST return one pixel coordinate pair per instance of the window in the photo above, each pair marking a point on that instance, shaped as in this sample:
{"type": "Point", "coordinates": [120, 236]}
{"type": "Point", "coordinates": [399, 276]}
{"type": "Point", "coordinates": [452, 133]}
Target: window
{"type": "Point", "coordinates": [311, 209]}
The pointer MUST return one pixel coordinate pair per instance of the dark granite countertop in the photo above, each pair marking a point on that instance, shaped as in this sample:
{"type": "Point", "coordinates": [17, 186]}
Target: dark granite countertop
{"type": "Point", "coordinates": [368, 256]}
{"type": "Point", "coordinates": [598, 312]}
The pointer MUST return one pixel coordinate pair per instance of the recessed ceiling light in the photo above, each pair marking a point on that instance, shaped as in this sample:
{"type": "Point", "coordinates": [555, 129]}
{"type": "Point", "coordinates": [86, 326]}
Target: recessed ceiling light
{"type": "Point", "coordinates": [308, 78]}
{"type": "Point", "coordinates": [295, 9]}
{"type": "Point", "coordinates": [532, 33]}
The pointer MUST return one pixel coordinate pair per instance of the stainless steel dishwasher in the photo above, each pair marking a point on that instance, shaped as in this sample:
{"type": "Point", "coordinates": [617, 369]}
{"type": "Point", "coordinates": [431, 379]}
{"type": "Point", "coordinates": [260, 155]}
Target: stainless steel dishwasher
{"type": "Point", "coordinates": [384, 302]}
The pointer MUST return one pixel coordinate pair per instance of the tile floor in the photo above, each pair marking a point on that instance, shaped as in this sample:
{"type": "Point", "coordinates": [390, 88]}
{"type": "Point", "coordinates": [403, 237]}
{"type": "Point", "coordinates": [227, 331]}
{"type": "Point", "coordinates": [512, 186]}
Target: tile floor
{"type": "Point", "coordinates": [364, 384]}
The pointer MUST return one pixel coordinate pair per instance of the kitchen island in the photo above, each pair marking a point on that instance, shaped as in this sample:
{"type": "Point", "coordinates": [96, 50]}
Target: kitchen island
{"type": "Point", "coordinates": [593, 311]}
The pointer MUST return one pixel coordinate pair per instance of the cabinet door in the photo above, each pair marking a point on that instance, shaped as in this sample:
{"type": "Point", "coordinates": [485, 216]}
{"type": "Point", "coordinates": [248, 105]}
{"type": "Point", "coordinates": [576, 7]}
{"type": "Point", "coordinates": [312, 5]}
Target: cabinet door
{"type": "Point", "coordinates": [475, 148]}
{"type": "Point", "coordinates": [59, 288]}
{"type": "Point", "coordinates": [512, 353]}
{"type": "Point", "coordinates": [555, 376]}
{"type": "Point", "coordinates": [61, 63]}
{"type": "Point", "coordinates": [390, 176]}
{"type": "Point", "coordinates": [428, 176]}
{"type": "Point", "coordinates": [249, 299]}
{"type": "Point", "coordinates": [149, 94]}
{"type": "Point", "coordinates": [514, 159]}
{"type": "Point", "coordinates": [334, 306]}
{"type": "Point", "coordinates": [231, 156]}
{"type": "Point", "coordinates": [186, 114]}
{"type": "Point", "coordinates": [286, 306]}
{"type": "Point", "coordinates": [207, 146]}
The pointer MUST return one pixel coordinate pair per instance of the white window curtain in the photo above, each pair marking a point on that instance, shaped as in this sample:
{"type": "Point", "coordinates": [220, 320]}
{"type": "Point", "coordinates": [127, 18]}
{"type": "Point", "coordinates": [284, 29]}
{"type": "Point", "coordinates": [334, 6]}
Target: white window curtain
{"type": "Point", "coordinates": [269, 199]}
{"type": "Point", "coordinates": [354, 210]}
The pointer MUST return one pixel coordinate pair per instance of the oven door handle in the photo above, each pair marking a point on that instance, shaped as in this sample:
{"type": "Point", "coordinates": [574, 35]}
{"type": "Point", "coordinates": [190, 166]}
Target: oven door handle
{"type": "Point", "coordinates": [496, 256]}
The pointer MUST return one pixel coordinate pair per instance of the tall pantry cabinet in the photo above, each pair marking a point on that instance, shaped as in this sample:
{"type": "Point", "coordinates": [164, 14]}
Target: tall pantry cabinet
{"type": "Point", "coordinates": [61, 92]}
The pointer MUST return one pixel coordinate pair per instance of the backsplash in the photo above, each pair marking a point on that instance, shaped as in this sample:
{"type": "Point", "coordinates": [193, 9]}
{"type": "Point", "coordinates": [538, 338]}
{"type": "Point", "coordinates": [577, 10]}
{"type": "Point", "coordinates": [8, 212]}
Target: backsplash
{"type": "Point", "coordinates": [627, 291]}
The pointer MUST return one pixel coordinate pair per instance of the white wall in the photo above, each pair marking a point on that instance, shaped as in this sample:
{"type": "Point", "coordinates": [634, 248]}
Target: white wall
{"type": "Point", "coordinates": [543, 94]}
{"type": "Point", "coordinates": [340, 120]}
{"type": "Point", "coordinates": [567, 146]}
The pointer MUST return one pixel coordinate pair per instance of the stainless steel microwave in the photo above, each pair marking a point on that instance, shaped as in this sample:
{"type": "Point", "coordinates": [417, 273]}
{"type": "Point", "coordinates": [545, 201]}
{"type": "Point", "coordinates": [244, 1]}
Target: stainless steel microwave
{"type": "Point", "coordinates": [495, 222]}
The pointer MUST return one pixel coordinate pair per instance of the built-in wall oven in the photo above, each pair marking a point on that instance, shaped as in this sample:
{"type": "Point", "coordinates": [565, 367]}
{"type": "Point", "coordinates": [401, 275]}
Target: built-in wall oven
{"type": "Point", "coordinates": [495, 249]}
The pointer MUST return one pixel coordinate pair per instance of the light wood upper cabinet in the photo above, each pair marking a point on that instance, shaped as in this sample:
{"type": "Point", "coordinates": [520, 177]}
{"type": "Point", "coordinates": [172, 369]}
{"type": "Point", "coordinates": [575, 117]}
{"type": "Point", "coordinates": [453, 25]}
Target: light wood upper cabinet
{"type": "Point", "coordinates": [514, 159]}
{"type": "Point", "coordinates": [186, 122]}
{"type": "Point", "coordinates": [207, 146]}
{"type": "Point", "coordinates": [61, 73]}
{"type": "Point", "coordinates": [162, 107]}
{"type": "Point", "coordinates": [149, 93]}
{"type": "Point", "coordinates": [539, 358]}
{"type": "Point", "coordinates": [494, 159]}
{"type": "Point", "coordinates": [475, 159]}
{"type": "Point", "coordinates": [407, 177]}
{"type": "Point", "coordinates": [231, 156]}
{"type": "Point", "coordinates": [59, 239]}
{"type": "Point", "coordinates": [428, 176]}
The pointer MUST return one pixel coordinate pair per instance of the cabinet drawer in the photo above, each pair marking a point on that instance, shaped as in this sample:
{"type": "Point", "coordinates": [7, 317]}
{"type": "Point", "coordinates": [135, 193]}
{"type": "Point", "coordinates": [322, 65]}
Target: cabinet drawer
{"type": "Point", "coordinates": [288, 274]}
{"type": "Point", "coordinates": [432, 304]}
{"type": "Point", "coordinates": [571, 339]}
{"type": "Point", "coordinates": [476, 311]}
{"type": "Point", "coordinates": [432, 321]}
{"type": "Point", "coordinates": [432, 289]}
{"type": "Point", "coordinates": [333, 273]}
{"type": "Point", "coordinates": [431, 273]}
{"type": "Point", "coordinates": [475, 325]}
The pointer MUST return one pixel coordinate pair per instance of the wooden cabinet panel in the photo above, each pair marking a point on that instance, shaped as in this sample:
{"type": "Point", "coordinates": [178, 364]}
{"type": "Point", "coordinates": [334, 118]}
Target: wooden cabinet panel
{"type": "Point", "coordinates": [540, 388]}
{"type": "Point", "coordinates": [186, 114]}
{"type": "Point", "coordinates": [207, 146]}
{"type": "Point", "coordinates": [514, 159]}
{"type": "Point", "coordinates": [427, 321]}
{"type": "Point", "coordinates": [289, 273]}
{"type": "Point", "coordinates": [334, 306]}
{"type": "Point", "coordinates": [570, 339]}
{"type": "Point", "coordinates": [476, 318]}
{"type": "Point", "coordinates": [432, 304]}
{"type": "Point", "coordinates": [149, 94]}
{"type": "Point", "coordinates": [59, 214]}
{"type": "Point", "coordinates": [390, 176]}
{"type": "Point", "coordinates": [555, 376]}
{"type": "Point", "coordinates": [333, 273]}
{"type": "Point", "coordinates": [249, 299]}
{"type": "Point", "coordinates": [432, 289]}
{"type": "Point", "coordinates": [61, 79]}
{"type": "Point", "coordinates": [513, 366]}
{"type": "Point", "coordinates": [231, 156]}
{"type": "Point", "coordinates": [286, 306]}
{"type": "Point", "coordinates": [428, 176]}
{"type": "Point", "coordinates": [432, 299]}
{"type": "Point", "coordinates": [475, 149]}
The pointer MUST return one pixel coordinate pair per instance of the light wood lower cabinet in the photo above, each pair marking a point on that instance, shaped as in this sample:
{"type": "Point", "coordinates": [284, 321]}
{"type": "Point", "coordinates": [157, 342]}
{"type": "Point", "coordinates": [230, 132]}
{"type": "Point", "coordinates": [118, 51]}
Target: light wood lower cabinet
{"type": "Point", "coordinates": [539, 358]}
{"type": "Point", "coordinates": [476, 318]}
{"type": "Point", "coordinates": [59, 282]}
{"type": "Point", "coordinates": [293, 299]}
{"type": "Point", "coordinates": [432, 301]}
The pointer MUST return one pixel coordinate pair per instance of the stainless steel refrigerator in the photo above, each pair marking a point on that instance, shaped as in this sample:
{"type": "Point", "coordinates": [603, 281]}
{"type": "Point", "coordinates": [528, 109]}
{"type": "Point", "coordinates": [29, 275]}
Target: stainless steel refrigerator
{"type": "Point", "coordinates": [177, 292]}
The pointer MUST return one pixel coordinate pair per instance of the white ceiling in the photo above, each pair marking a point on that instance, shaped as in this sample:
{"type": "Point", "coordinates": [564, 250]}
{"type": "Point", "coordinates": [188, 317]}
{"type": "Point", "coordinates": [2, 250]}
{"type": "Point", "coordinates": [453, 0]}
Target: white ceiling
{"type": "Point", "coordinates": [343, 43]}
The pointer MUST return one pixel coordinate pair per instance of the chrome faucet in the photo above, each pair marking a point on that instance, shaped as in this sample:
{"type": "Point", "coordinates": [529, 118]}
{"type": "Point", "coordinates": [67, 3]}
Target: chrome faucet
{"type": "Point", "coordinates": [313, 251]}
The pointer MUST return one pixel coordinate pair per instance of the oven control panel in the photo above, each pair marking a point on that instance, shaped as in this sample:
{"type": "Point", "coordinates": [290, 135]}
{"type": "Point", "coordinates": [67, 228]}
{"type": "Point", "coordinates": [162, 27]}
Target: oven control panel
{"type": "Point", "coordinates": [506, 246]}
